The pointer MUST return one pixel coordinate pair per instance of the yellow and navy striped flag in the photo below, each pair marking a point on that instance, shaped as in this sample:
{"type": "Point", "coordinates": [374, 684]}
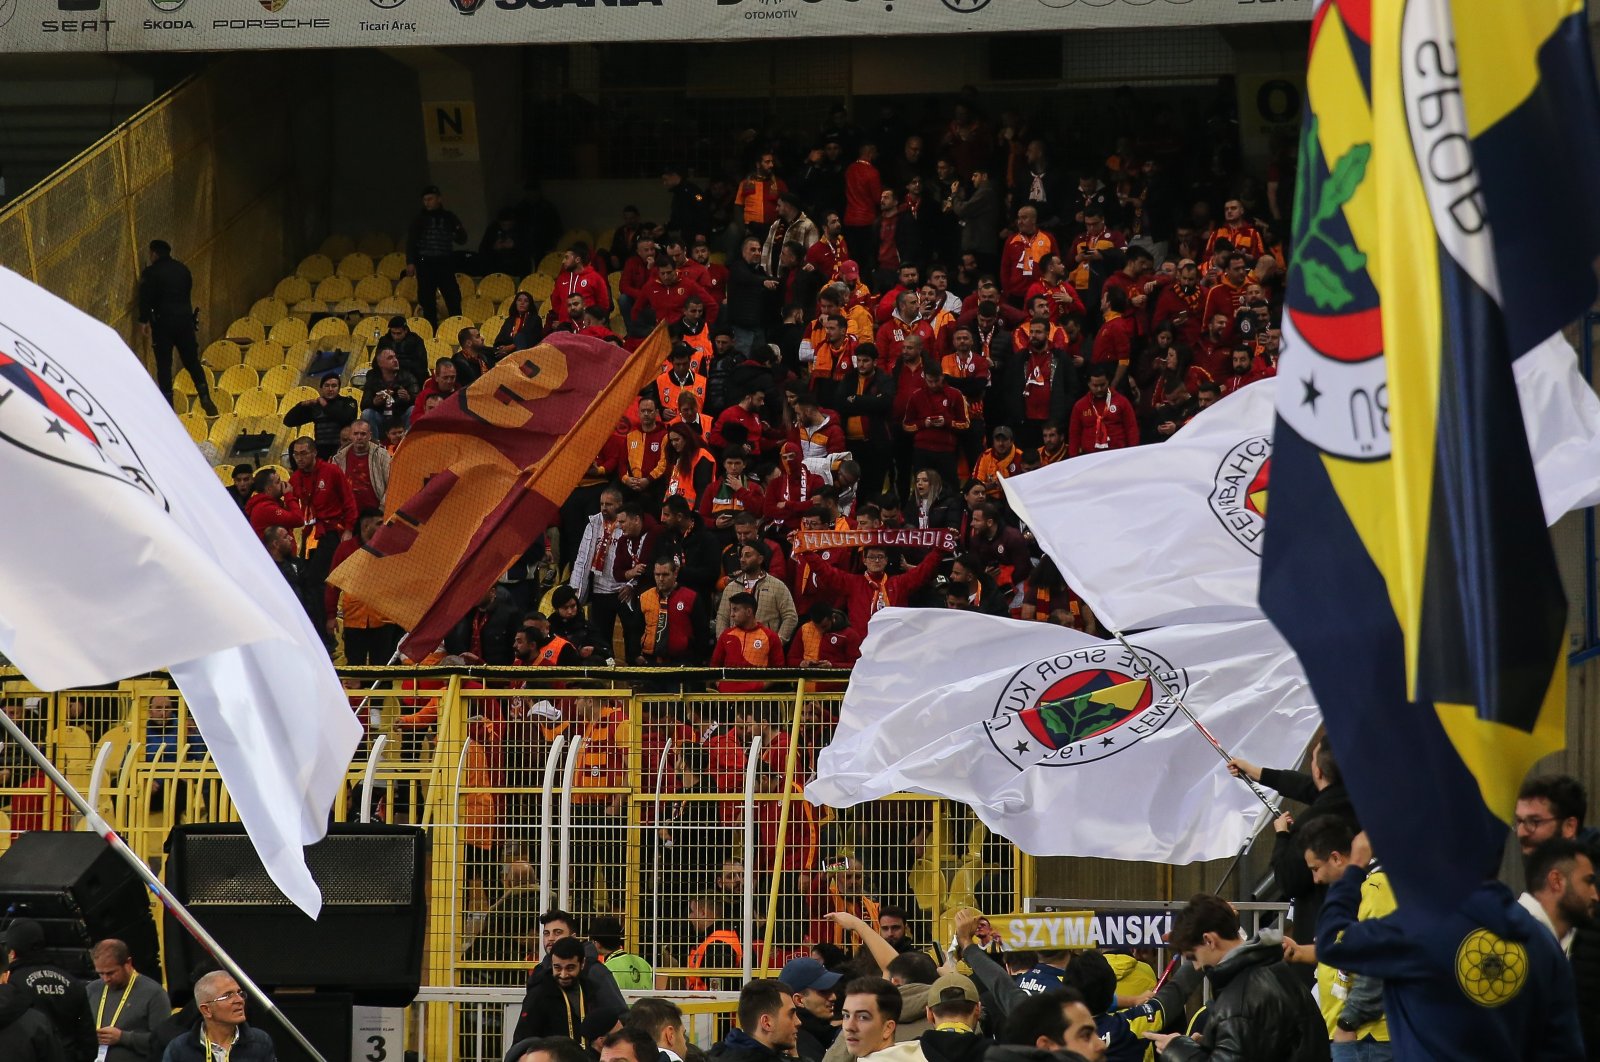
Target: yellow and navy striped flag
{"type": "Point", "coordinates": [1442, 230]}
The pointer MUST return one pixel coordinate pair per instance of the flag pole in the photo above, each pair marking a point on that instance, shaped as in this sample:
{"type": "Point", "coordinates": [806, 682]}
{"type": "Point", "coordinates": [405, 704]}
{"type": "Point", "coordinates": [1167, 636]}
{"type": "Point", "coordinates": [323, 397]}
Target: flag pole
{"type": "Point", "coordinates": [155, 884]}
{"type": "Point", "coordinates": [1172, 695]}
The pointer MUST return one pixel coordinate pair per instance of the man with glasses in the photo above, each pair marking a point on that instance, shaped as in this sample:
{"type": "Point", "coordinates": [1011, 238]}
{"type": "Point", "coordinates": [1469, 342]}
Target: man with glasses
{"type": "Point", "coordinates": [221, 1034]}
{"type": "Point", "coordinates": [1550, 806]}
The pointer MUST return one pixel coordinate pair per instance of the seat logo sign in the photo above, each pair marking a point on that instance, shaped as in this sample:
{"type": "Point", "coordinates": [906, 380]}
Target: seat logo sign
{"type": "Point", "coordinates": [47, 414]}
{"type": "Point", "coordinates": [1083, 706]}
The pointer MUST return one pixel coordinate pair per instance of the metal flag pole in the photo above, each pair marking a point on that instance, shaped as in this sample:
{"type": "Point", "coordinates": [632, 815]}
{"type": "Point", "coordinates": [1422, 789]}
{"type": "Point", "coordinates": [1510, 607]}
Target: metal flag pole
{"type": "Point", "coordinates": [155, 884]}
{"type": "Point", "coordinates": [1172, 695]}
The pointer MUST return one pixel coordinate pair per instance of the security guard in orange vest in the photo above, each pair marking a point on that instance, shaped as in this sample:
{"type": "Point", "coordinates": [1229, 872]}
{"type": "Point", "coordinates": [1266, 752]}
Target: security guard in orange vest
{"type": "Point", "coordinates": [535, 646]}
{"type": "Point", "coordinates": [679, 377]}
{"type": "Point", "coordinates": [719, 949]}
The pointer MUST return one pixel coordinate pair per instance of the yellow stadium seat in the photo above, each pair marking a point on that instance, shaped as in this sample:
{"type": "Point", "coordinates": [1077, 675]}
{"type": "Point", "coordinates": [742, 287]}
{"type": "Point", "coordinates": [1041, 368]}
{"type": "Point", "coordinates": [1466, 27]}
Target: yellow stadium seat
{"type": "Point", "coordinates": [352, 307]}
{"type": "Point", "coordinates": [504, 309]}
{"type": "Point", "coordinates": [246, 330]}
{"type": "Point", "coordinates": [264, 355]}
{"type": "Point", "coordinates": [288, 331]}
{"type": "Point", "coordinates": [527, 281]}
{"type": "Point", "coordinates": [279, 380]}
{"type": "Point", "coordinates": [420, 326]}
{"type": "Point", "coordinates": [392, 265]}
{"type": "Point", "coordinates": [297, 356]}
{"type": "Point", "coordinates": [315, 267]}
{"type": "Point", "coordinates": [491, 328]}
{"type": "Point", "coordinates": [497, 286]}
{"type": "Point", "coordinates": [467, 284]}
{"type": "Point", "coordinates": [224, 473]}
{"type": "Point", "coordinates": [183, 383]}
{"type": "Point", "coordinates": [337, 245]}
{"type": "Point", "coordinates": [331, 289]}
{"type": "Point", "coordinates": [374, 288]}
{"type": "Point", "coordinates": [180, 403]}
{"type": "Point", "coordinates": [220, 354]}
{"type": "Point", "coordinates": [604, 239]}
{"type": "Point", "coordinates": [222, 400]}
{"type": "Point", "coordinates": [719, 258]}
{"type": "Point", "coordinates": [406, 288]}
{"type": "Point", "coordinates": [355, 265]}
{"type": "Point", "coordinates": [197, 427]}
{"type": "Point", "coordinates": [387, 308]}
{"type": "Point", "coordinates": [237, 379]}
{"type": "Point", "coordinates": [352, 393]}
{"type": "Point", "coordinates": [437, 348]}
{"type": "Point", "coordinates": [451, 327]}
{"type": "Point", "coordinates": [370, 329]}
{"type": "Point", "coordinates": [269, 311]}
{"type": "Point", "coordinates": [540, 287]}
{"type": "Point", "coordinates": [614, 282]}
{"type": "Point", "coordinates": [550, 264]}
{"type": "Point", "coordinates": [572, 236]}
{"type": "Point", "coordinates": [376, 244]}
{"type": "Point", "coordinates": [291, 290]}
{"type": "Point", "coordinates": [295, 396]}
{"type": "Point", "coordinates": [477, 308]}
{"type": "Point", "coordinates": [306, 309]}
{"type": "Point", "coordinates": [224, 431]}
{"type": "Point", "coordinates": [329, 328]}
{"type": "Point", "coordinates": [255, 403]}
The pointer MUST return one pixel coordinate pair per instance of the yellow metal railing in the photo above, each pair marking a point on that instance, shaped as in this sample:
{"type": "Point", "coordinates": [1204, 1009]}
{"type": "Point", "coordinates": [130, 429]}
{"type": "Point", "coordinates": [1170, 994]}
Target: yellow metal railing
{"type": "Point", "coordinates": [467, 758]}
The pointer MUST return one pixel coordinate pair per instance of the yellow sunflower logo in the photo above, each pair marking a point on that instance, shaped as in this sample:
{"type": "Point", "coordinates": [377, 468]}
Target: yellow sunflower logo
{"type": "Point", "coordinates": [1489, 969]}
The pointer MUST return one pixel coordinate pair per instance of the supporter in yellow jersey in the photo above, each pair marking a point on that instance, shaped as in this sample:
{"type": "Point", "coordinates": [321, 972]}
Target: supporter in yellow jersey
{"type": "Point", "coordinates": [1352, 1004]}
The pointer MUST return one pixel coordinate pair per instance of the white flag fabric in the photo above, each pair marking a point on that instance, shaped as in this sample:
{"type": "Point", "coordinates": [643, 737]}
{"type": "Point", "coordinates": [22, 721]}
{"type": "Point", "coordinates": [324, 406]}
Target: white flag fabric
{"type": "Point", "coordinates": [121, 553]}
{"type": "Point", "coordinates": [1171, 532]}
{"type": "Point", "coordinates": [1060, 741]}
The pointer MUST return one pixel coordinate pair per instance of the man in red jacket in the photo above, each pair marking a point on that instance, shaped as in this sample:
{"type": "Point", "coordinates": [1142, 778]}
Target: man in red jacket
{"type": "Point", "coordinates": [1113, 344]}
{"type": "Point", "coordinates": [1101, 419]}
{"type": "Point", "coordinates": [323, 492]}
{"type": "Point", "coordinates": [578, 278]}
{"type": "Point", "coordinates": [268, 505]}
{"type": "Point", "coordinates": [936, 416]}
{"type": "Point", "coordinates": [864, 593]}
{"type": "Point", "coordinates": [666, 294]}
{"type": "Point", "coordinates": [862, 189]}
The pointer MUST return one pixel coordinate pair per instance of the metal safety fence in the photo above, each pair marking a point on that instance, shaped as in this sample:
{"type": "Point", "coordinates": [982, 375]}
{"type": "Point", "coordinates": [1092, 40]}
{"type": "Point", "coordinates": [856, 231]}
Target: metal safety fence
{"type": "Point", "coordinates": [648, 798]}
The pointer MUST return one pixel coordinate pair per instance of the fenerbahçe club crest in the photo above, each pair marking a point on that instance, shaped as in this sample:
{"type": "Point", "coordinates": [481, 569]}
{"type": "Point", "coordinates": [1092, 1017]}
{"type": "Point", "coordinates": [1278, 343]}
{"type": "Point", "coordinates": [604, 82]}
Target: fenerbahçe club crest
{"type": "Point", "coordinates": [1082, 706]}
{"type": "Point", "coordinates": [47, 414]}
{"type": "Point", "coordinates": [1239, 491]}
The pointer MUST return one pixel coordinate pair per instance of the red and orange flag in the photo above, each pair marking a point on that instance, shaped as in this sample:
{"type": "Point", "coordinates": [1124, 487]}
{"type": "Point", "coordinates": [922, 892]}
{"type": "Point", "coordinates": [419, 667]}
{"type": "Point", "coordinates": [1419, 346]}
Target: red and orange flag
{"type": "Point", "coordinates": [484, 474]}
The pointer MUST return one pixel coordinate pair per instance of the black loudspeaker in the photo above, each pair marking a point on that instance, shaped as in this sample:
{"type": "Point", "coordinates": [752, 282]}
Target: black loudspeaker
{"type": "Point", "coordinates": [80, 892]}
{"type": "Point", "coordinates": [324, 1018]}
{"type": "Point", "coordinates": [367, 941]}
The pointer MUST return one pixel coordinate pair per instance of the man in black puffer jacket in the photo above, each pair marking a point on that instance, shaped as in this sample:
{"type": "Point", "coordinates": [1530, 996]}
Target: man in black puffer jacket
{"type": "Point", "coordinates": [25, 1034]}
{"type": "Point", "coordinates": [1323, 793]}
{"type": "Point", "coordinates": [1259, 1011]}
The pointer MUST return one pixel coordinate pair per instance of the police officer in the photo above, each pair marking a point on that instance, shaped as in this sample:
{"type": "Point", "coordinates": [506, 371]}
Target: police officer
{"type": "Point", "coordinates": [57, 994]}
{"type": "Point", "coordinates": [167, 319]}
{"type": "Point", "coordinates": [430, 249]}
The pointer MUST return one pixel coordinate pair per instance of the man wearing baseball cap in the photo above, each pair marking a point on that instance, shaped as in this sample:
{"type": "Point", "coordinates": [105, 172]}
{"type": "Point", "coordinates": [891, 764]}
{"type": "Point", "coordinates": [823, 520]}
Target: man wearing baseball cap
{"type": "Point", "coordinates": [813, 986]}
{"type": "Point", "coordinates": [58, 995]}
{"type": "Point", "coordinates": [632, 972]}
{"type": "Point", "coordinates": [956, 1018]}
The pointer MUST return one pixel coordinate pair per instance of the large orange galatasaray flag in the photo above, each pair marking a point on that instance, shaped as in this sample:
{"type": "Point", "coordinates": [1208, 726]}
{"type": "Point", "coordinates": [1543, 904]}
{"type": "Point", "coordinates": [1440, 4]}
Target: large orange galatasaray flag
{"type": "Point", "coordinates": [485, 473]}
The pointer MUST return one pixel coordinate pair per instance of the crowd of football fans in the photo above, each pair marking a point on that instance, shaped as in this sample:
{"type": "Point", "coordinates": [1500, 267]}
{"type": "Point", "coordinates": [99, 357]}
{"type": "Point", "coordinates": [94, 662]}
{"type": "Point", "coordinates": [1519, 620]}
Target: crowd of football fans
{"type": "Point", "coordinates": [898, 326]}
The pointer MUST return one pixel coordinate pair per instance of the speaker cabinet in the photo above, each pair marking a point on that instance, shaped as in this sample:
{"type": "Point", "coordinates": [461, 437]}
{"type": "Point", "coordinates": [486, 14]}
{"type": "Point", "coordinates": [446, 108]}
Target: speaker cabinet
{"type": "Point", "coordinates": [367, 941]}
{"type": "Point", "coordinates": [80, 892]}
